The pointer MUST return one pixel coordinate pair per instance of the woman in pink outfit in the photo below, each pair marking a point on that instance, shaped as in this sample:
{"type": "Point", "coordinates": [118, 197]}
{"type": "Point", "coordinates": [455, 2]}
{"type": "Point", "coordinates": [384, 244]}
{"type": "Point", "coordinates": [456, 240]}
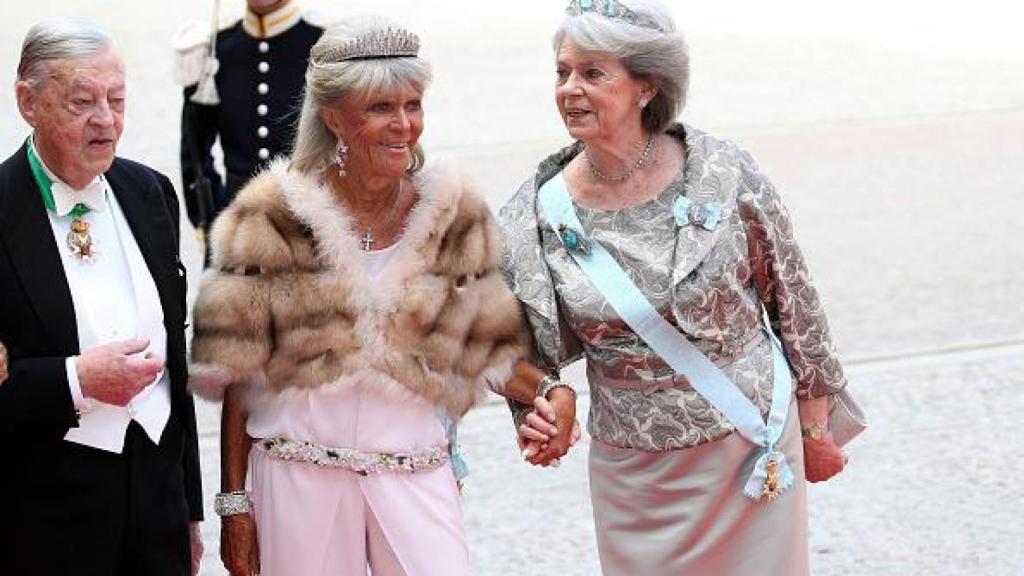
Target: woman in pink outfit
{"type": "Point", "coordinates": [353, 313]}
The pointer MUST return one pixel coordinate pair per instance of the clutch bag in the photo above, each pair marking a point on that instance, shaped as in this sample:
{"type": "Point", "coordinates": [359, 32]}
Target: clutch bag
{"type": "Point", "coordinates": [846, 419]}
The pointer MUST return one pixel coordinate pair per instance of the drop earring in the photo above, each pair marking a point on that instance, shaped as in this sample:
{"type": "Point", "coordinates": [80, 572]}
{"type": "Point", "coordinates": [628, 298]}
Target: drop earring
{"type": "Point", "coordinates": [340, 156]}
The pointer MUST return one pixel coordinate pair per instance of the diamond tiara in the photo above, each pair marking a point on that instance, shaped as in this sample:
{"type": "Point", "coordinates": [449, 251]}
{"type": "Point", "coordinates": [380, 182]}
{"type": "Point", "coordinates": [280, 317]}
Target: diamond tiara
{"type": "Point", "coordinates": [390, 43]}
{"type": "Point", "coordinates": [613, 10]}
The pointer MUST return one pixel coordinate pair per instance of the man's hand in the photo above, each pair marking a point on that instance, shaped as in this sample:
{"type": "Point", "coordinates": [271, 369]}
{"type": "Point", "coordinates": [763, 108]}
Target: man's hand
{"type": "Point", "coordinates": [115, 373]}
{"type": "Point", "coordinates": [3, 363]}
{"type": "Point", "coordinates": [196, 541]}
{"type": "Point", "coordinates": [239, 549]}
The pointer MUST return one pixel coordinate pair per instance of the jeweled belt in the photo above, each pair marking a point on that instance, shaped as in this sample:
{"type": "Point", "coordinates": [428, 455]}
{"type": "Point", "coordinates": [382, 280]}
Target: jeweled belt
{"type": "Point", "coordinates": [357, 461]}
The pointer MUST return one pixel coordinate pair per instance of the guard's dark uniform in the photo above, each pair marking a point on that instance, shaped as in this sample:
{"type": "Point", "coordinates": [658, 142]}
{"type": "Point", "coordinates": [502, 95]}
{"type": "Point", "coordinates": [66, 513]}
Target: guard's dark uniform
{"type": "Point", "coordinates": [261, 73]}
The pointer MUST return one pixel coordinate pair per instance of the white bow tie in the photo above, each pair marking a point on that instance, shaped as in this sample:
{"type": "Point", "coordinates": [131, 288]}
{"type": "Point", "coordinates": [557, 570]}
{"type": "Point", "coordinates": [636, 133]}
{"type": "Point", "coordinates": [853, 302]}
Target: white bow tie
{"type": "Point", "coordinates": [65, 199]}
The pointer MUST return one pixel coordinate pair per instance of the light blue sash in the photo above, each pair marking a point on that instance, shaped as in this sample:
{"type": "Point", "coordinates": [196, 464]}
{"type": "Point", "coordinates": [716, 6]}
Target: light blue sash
{"type": "Point", "coordinates": [459, 467]}
{"type": "Point", "coordinates": [668, 342]}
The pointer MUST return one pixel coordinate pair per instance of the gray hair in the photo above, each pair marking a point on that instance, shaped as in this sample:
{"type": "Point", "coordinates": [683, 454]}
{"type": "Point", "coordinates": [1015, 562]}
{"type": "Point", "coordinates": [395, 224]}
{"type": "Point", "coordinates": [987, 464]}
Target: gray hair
{"type": "Point", "coordinates": [659, 56]}
{"type": "Point", "coordinates": [58, 38]}
{"type": "Point", "coordinates": [329, 82]}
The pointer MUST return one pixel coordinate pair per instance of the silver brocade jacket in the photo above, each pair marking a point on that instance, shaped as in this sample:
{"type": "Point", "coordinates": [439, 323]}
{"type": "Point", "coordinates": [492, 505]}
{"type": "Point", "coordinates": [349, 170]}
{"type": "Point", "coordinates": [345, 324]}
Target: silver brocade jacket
{"type": "Point", "coordinates": [707, 282]}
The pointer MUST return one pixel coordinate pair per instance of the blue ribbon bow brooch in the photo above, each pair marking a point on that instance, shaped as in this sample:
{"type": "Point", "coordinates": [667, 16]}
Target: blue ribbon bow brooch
{"type": "Point", "coordinates": [703, 214]}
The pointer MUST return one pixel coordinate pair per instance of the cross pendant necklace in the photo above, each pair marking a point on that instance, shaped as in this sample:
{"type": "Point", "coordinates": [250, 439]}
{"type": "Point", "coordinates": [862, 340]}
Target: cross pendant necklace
{"type": "Point", "coordinates": [367, 240]}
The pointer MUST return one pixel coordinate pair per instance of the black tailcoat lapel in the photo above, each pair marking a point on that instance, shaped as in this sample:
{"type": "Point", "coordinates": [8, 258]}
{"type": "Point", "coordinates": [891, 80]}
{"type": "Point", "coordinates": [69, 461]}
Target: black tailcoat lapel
{"type": "Point", "coordinates": [142, 202]}
{"type": "Point", "coordinates": [25, 230]}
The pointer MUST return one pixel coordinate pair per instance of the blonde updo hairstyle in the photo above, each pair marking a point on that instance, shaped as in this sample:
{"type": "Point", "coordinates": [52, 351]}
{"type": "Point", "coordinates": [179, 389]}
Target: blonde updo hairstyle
{"type": "Point", "coordinates": [329, 81]}
{"type": "Point", "coordinates": [659, 56]}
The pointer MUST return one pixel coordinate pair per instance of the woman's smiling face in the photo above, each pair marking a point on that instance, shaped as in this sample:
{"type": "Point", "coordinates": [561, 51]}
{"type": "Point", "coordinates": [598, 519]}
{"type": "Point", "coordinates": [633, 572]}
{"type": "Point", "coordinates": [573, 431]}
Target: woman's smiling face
{"type": "Point", "coordinates": [380, 131]}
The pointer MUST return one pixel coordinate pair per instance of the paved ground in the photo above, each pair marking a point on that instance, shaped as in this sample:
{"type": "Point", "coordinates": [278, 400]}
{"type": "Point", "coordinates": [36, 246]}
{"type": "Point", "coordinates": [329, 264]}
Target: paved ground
{"type": "Point", "coordinates": [896, 140]}
{"type": "Point", "coordinates": [931, 490]}
{"type": "Point", "coordinates": [926, 494]}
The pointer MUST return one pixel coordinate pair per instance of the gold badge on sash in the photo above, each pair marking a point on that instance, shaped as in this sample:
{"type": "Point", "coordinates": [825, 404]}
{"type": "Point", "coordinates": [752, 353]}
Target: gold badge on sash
{"type": "Point", "coordinates": [772, 488]}
{"type": "Point", "coordinates": [80, 241]}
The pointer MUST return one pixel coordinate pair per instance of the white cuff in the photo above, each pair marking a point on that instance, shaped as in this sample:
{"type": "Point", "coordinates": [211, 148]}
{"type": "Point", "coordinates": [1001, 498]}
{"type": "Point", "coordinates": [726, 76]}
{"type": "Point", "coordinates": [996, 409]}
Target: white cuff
{"type": "Point", "coordinates": [82, 404]}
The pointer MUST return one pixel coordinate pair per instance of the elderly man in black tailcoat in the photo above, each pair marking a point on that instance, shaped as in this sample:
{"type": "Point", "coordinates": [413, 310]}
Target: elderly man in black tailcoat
{"type": "Point", "coordinates": [100, 452]}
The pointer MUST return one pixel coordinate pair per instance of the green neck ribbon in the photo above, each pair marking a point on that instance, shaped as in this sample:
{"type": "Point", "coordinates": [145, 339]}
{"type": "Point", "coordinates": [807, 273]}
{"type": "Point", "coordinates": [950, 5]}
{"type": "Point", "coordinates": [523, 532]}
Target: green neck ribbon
{"type": "Point", "coordinates": [45, 183]}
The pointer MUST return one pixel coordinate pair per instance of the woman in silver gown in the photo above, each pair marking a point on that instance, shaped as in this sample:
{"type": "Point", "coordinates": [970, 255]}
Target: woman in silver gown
{"type": "Point", "coordinates": [667, 471]}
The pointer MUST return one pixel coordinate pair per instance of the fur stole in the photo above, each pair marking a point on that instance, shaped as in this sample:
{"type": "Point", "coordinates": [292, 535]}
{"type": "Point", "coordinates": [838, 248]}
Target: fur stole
{"type": "Point", "coordinates": [287, 304]}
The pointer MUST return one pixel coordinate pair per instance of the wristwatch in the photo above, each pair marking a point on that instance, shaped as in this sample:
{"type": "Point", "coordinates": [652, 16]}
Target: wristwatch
{"type": "Point", "coordinates": [816, 431]}
{"type": "Point", "coordinates": [548, 383]}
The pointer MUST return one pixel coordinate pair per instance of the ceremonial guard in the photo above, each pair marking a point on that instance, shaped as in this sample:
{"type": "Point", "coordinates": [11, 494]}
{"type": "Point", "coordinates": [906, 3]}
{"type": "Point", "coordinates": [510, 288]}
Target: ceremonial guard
{"type": "Point", "coordinates": [242, 83]}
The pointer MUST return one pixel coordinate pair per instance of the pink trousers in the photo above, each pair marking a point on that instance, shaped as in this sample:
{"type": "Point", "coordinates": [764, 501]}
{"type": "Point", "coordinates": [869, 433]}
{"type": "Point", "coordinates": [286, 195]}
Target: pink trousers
{"type": "Point", "coordinates": [314, 521]}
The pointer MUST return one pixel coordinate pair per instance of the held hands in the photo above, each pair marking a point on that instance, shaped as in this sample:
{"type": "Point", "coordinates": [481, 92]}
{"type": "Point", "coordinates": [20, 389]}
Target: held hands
{"type": "Point", "coordinates": [115, 373]}
{"type": "Point", "coordinates": [548, 432]}
{"type": "Point", "coordinates": [239, 549]}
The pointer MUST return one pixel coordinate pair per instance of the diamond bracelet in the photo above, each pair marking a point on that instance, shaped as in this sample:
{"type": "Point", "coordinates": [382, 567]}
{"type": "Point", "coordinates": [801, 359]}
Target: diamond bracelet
{"type": "Point", "coordinates": [232, 503]}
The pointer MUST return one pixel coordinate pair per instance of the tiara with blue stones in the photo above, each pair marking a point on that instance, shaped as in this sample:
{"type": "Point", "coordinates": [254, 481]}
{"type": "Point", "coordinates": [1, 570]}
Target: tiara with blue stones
{"type": "Point", "coordinates": [613, 10]}
{"type": "Point", "coordinates": [390, 43]}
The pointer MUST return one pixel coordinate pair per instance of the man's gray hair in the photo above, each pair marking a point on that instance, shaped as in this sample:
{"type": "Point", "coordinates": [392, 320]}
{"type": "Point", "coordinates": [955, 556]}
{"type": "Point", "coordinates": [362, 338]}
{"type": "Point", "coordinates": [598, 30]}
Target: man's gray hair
{"type": "Point", "coordinates": [660, 56]}
{"type": "Point", "coordinates": [58, 38]}
{"type": "Point", "coordinates": [330, 82]}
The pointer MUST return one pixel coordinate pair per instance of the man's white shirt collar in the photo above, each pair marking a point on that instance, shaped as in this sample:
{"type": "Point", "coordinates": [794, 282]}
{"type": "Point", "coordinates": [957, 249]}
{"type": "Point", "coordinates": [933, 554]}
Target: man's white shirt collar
{"type": "Point", "coordinates": [65, 198]}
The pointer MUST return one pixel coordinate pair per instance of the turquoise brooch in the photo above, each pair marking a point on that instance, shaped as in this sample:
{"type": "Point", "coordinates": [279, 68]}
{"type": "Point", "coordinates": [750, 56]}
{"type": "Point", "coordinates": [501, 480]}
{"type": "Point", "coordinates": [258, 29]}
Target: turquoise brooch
{"type": "Point", "coordinates": [573, 240]}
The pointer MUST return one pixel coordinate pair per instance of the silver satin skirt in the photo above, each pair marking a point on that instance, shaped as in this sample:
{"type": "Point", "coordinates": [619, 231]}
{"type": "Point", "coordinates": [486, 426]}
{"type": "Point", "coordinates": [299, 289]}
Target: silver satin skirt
{"type": "Point", "coordinates": [683, 512]}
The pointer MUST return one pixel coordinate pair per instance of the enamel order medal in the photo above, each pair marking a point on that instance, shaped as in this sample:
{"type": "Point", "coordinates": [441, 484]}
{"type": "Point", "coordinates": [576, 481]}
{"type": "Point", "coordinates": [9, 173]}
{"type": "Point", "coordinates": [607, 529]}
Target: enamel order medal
{"type": "Point", "coordinates": [80, 241]}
